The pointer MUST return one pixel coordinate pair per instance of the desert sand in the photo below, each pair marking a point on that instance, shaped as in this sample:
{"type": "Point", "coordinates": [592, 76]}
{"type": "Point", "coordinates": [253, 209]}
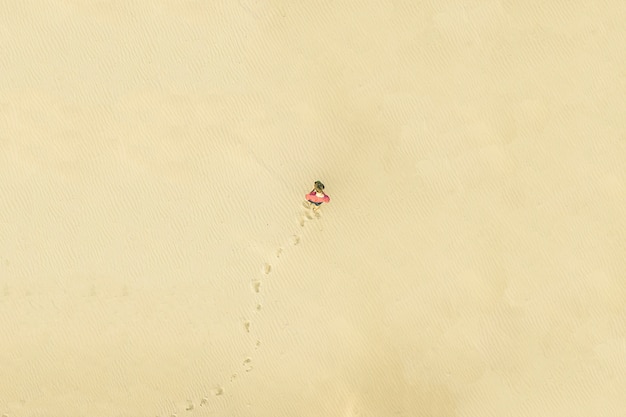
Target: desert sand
{"type": "Point", "coordinates": [156, 259]}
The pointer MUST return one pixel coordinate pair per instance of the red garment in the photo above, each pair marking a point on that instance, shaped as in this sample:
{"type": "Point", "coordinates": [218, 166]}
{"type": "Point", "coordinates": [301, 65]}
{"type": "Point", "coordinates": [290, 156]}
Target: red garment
{"type": "Point", "coordinates": [312, 197]}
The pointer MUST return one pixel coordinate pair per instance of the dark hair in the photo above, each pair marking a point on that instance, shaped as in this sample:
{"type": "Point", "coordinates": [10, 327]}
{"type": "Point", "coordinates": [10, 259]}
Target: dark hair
{"type": "Point", "coordinates": [318, 184]}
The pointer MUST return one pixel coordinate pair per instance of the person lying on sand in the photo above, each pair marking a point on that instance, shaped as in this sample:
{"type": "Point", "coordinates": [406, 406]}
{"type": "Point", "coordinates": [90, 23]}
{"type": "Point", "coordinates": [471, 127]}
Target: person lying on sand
{"type": "Point", "coordinates": [317, 196]}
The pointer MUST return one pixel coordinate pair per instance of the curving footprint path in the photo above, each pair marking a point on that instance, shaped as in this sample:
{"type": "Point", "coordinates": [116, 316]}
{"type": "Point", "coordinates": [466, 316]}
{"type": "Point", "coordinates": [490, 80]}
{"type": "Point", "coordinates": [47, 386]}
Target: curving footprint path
{"type": "Point", "coordinates": [256, 286]}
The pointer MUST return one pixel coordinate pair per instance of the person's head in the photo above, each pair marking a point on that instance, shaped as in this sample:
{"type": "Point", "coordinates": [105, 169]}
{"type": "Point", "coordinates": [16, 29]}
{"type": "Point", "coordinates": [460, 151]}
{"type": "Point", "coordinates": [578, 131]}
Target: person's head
{"type": "Point", "coordinates": [319, 187]}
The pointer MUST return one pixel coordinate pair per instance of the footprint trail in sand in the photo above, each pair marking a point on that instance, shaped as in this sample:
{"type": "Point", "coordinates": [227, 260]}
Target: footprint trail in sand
{"type": "Point", "coordinates": [256, 286]}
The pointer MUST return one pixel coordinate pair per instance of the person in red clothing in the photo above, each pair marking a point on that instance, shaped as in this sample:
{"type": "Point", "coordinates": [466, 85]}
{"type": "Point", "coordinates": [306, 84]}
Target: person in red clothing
{"type": "Point", "coordinates": [317, 196]}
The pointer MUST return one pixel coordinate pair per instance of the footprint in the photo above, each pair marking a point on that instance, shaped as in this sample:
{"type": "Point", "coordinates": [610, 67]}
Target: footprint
{"type": "Point", "coordinates": [217, 391]}
{"type": "Point", "coordinates": [295, 240]}
{"type": "Point", "coordinates": [259, 307]}
{"type": "Point", "coordinates": [256, 285]}
{"type": "Point", "coordinates": [267, 268]}
{"type": "Point", "coordinates": [279, 252]}
{"type": "Point", "coordinates": [246, 326]}
{"type": "Point", "coordinates": [189, 405]}
{"type": "Point", "coordinates": [257, 344]}
{"type": "Point", "coordinates": [204, 401]}
{"type": "Point", "coordinates": [247, 364]}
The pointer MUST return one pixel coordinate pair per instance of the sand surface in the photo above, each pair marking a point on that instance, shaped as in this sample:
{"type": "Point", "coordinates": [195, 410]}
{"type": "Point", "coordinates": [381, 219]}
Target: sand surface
{"type": "Point", "coordinates": [156, 260]}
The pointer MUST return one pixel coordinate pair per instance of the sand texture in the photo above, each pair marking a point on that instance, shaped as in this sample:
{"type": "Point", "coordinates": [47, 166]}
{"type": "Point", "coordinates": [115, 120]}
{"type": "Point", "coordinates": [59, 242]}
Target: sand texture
{"type": "Point", "coordinates": [156, 258]}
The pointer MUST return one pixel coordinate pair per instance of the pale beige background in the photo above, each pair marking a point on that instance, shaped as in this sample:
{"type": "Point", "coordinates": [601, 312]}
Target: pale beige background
{"type": "Point", "coordinates": [154, 156]}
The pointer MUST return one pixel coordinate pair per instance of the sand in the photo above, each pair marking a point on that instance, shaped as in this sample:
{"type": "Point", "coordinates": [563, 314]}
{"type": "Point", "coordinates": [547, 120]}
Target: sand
{"type": "Point", "coordinates": [156, 260]}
